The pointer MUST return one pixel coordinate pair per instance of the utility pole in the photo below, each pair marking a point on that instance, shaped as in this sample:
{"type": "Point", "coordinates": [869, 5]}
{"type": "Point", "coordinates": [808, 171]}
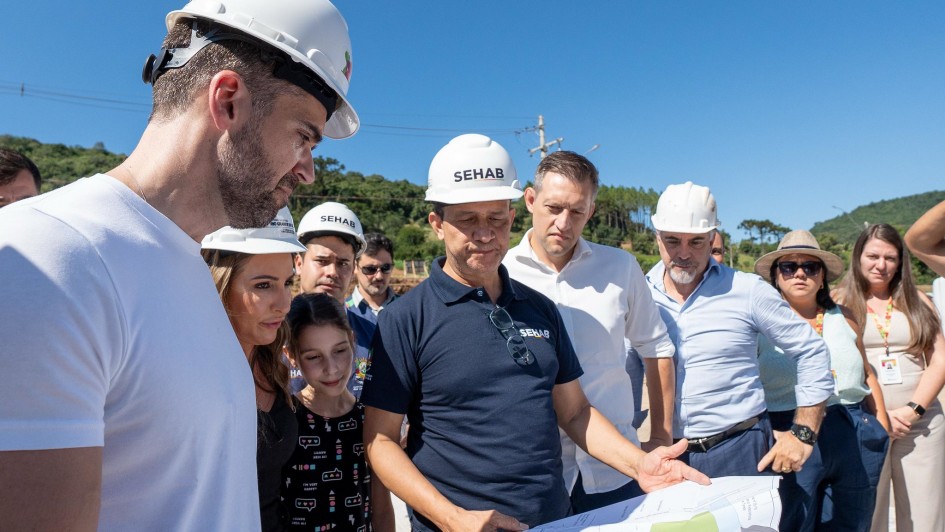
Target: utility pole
{"type": "Point", "coordinates": [542, 145]}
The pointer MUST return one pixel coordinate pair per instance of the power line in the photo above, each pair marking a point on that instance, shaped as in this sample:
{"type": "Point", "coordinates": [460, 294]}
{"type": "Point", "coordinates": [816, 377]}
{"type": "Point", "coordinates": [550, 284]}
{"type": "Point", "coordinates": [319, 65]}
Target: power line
{"type": "Point", "coordinates": [446, 130]}
{"type": "Point", "coordinates": [37, 91]}
{"type": "Point", "coordinates": [497, 117]}
{"type": "Point", "coordinates": [70, 102]}
{"type": "Point", "coordinates": [116, 104]}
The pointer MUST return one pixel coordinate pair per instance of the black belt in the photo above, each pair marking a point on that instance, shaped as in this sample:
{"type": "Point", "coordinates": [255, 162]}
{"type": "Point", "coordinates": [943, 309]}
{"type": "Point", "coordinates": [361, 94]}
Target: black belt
{"type": "Point", "coordinates": [701, 445]}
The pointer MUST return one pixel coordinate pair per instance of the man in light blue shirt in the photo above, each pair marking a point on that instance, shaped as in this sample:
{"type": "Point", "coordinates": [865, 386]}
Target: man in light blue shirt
{"type": "Point", "coordinates": [714, 315]}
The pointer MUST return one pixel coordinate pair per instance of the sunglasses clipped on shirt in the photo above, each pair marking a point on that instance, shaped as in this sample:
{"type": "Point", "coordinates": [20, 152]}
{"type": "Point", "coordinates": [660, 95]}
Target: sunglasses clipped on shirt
{"type": "Point", "coordinates": [811, 268]}
{"type": "Point", "coordinates": [371, 270]}
{"type": "Point", "coordinates": [514, 342]}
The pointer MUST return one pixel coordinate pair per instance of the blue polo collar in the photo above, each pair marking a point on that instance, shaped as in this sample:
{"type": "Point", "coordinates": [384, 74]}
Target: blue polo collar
{"type": "Point", "coordinates": [452, 291]}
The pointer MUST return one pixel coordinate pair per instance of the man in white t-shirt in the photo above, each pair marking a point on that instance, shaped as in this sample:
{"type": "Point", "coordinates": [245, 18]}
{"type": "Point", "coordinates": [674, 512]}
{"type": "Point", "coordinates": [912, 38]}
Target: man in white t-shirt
{"type": "Point", "coordinates": [125, 402]}
{"type": "Point", "coordinates": [605, 304]}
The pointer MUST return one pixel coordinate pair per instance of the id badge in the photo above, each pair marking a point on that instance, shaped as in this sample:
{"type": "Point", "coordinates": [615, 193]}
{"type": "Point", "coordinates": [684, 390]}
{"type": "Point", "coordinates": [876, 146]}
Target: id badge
{"type": "Point", "coordinates": [836, 383]}
{"type": "Point", "coordinates": [889, 370]}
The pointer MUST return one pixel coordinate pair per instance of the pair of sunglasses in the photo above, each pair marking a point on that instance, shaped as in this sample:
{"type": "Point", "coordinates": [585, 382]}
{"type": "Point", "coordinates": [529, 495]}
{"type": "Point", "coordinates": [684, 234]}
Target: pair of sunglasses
{"type": "Point", "coordinates": [811, 268]}
{"type": "Point", "coordinates": [371, 270]}
{"type": "Point", "coordinates": [514, 342]}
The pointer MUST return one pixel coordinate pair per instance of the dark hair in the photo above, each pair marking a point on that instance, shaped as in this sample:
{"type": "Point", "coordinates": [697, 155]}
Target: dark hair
{"type": "Point", "coordinates": [346, 238]}
{"type": "Point", "coordinates": [224, 266]}
{"type": "Point", "coordinates": [823, 293]}
{"type": "Point", "coordinates": [377, 242]}
{"type": "Point", "coordinates": [570, 165]}
{"type": "Point", "coordinates": [308, 310]}
{"type": "Point", "coordinates": [12, 163]}
{"type": "Point", "coordinates": [175, 89]}
{"type": "Point", "coordinates": [924, 323]}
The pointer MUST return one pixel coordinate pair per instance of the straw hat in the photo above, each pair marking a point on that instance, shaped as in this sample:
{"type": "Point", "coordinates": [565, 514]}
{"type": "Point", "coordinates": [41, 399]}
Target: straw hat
{"type": "Point", "coordinates": [800, 241]}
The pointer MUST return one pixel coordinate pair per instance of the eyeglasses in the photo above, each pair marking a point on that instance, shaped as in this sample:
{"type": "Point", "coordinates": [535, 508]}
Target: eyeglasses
{"type": "Point", "coordinates": [371, 270]}
{"type": "Point", "coordinates": [514, 342]}
{"type": "Point", "coordinates": [811, 268]}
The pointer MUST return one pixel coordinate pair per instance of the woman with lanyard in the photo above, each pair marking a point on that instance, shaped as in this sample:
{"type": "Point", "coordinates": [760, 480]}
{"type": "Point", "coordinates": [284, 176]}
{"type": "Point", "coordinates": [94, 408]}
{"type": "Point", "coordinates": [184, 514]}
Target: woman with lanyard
{"type": "Point", "coordinates": [836, 488]}
{"type": "Point", "coordinates": [253, 272]}
{"type": "Point", "coordinates": [904, 344]}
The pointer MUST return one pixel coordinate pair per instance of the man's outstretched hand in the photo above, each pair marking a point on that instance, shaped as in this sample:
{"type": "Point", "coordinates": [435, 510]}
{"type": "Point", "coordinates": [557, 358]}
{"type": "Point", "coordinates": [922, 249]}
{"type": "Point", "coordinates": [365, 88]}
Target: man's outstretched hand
{"type": "Point", "coordinates": [660, 468]}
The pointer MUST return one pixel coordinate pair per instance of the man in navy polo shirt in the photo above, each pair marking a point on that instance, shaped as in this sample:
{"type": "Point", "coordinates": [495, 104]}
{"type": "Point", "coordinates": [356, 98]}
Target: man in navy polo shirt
{"type": "Point", "coordinates": [485, 372]}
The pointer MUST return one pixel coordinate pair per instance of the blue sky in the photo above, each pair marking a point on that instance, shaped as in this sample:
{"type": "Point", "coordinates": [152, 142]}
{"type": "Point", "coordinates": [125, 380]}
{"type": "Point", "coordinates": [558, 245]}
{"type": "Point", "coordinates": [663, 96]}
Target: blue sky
{"type": "Point", "coordinates": [785, 109]}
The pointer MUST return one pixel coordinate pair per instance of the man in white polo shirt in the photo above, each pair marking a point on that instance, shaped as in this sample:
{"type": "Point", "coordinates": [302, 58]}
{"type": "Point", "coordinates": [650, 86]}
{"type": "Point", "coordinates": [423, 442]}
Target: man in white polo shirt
{"type": "Point", "coordinates": [604, 301]}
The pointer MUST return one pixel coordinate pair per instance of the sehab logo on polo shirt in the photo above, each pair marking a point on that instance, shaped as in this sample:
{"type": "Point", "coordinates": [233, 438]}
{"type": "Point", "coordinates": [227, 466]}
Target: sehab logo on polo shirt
{"type": "Point", "coordinates": [535, 333]}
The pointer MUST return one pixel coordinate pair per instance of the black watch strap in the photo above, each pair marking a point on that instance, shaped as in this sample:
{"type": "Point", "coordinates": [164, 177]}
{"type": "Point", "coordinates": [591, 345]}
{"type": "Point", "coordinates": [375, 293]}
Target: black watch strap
{"type": "Point", "coordinates": [804, 433]}
{"type": "Point", "coordinates": [919, 409]}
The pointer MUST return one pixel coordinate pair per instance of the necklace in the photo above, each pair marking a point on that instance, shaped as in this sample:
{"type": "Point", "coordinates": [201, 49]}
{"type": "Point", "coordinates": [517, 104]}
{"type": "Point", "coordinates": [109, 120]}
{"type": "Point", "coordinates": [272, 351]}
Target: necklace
{"type": "Point", "coordinates": [818, 324]}
{"type": "Point", "coordinates": [819, 321]}
{"type": "Point", "coordinates": [883, 331]}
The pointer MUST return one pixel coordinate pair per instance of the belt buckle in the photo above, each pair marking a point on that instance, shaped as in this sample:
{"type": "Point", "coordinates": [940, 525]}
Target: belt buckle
{"type": "Point", "coordinates": [700, 442]}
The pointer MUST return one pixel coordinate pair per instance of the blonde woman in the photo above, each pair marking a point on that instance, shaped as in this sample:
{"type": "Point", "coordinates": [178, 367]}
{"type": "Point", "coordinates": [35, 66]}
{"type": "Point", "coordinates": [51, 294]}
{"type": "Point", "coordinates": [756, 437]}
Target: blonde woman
{"type": "Point", "coordinates": [904, 344]}
{"type": "Point", "coordinates": [253, 271]}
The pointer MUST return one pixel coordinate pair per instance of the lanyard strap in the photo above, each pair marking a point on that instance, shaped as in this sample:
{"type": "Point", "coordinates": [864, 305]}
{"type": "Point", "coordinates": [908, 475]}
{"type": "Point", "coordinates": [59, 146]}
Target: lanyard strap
{"type": "Point", "coordinates": [883, 331]}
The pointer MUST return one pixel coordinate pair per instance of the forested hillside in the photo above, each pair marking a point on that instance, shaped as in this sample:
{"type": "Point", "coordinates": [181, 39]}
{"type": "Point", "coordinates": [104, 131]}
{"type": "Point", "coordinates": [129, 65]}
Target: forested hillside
{"type": "Point", "coordinates": [395, 208]}
{"type": "Point", "coordinates": [899, 212]}
{"type": "Point", "coordinates": [60, 164]}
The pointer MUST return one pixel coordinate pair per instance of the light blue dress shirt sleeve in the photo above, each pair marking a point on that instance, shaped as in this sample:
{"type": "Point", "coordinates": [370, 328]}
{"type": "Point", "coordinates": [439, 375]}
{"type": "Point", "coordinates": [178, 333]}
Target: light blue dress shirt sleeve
{"type": "Point", "coordinates": [788, 331]}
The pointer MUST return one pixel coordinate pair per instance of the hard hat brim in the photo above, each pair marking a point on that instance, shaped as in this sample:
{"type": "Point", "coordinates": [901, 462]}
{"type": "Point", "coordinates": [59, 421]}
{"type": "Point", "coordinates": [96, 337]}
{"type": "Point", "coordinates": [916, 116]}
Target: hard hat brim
{"type": "Point", "coordinates": [257, 246]}
{"type": "Point", "coordinates": [687, 229]}
{"type": "Point", "coordinates": [456, 197]}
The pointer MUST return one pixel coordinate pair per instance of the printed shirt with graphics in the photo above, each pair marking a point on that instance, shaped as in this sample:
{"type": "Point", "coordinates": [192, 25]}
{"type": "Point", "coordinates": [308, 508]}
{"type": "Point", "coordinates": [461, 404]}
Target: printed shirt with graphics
{"type": "Point", "coordinates": [326, 482]}
{"type": "Point", "coordinates": [483, 429]}
{"type": "Point", "coordinates": [363, 333]}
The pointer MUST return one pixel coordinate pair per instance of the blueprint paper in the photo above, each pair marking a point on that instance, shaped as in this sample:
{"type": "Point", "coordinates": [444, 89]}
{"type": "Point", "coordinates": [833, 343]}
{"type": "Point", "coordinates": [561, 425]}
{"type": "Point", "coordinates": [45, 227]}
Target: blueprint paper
{"type": "Point", "coordinates": [730, 504]}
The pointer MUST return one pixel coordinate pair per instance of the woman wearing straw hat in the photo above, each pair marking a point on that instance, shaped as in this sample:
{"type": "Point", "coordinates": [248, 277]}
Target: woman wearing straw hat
{"type": "Point", "coordinates": [836, 488]}
{"type": "Point", "coordinates": [253, 272]}
{"type": "Point", "coordinates": [903, 337]}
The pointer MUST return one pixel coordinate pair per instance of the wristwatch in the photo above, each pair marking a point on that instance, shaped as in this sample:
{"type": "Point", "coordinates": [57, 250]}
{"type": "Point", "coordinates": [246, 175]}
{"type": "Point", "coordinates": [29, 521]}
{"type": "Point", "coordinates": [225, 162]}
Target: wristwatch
{"type": "Point", "coordinates": [917, 408]}
{"type": "Point", "coordinates": [804, 433]}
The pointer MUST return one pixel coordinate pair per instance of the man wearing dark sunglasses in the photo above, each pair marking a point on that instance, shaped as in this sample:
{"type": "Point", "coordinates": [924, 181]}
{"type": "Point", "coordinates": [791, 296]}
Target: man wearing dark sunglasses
{"type": "Point", "coordinates": [484, 370]}
{"type": "Point", "coordinates": [372, 273]}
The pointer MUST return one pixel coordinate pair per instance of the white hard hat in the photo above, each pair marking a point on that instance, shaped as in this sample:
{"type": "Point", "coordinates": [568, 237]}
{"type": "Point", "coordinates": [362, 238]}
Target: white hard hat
{"type": "Point", "coordinates": [472, 168]}
{"type": "Point", "coordinates": [277, 237]}
{"type": "Point", "coordinates": [332, 218]}
{"type": "Point", "coordinates": [312, 33]}
{"type": "Point", "coordinates": [686, 208]}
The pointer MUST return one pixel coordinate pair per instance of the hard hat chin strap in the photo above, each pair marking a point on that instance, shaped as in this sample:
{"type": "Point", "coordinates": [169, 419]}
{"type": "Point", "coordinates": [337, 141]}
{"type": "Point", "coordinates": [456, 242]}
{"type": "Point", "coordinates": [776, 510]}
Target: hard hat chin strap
{"type": "Point", "coordinates": [285, 68]}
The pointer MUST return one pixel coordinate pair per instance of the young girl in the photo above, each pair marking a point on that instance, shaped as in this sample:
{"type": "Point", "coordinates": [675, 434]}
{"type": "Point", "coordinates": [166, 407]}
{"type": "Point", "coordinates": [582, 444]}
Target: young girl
{"type": "Point", "coordinates": [327, 484]}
